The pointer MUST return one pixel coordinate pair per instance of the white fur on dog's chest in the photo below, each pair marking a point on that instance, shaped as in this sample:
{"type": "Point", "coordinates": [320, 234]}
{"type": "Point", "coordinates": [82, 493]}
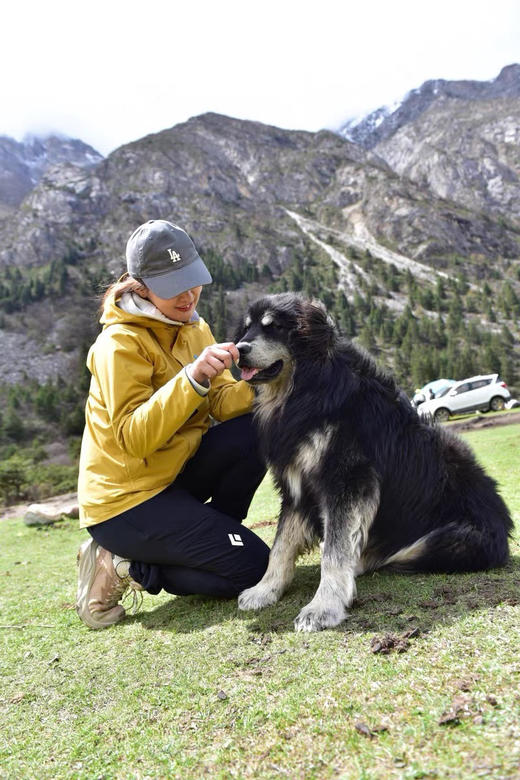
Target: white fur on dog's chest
{"type": "Point", "coordinates": [307, 459]}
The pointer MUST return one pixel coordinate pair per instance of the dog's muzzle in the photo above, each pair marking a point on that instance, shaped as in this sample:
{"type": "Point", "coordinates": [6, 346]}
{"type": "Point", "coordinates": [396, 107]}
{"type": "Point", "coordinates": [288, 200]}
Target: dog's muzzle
{"type": "Point", "coordinates": [250, 370]}
{"type": "Point", "coordinates": [247, 372]}
{"type": "Point", "coordinates": [244, 348]}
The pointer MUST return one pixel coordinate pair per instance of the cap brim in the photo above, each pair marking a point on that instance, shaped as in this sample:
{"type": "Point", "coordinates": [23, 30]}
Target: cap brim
{"type": "Point", "coordinates": [179, 280]}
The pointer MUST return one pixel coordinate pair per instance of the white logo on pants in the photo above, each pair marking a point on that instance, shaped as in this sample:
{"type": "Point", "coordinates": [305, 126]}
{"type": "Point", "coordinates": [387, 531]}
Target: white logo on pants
{"type": "Point", "coordinates": [236, 540]}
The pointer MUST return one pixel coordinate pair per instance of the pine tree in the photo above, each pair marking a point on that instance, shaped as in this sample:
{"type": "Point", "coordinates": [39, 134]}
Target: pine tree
{"type": "Point", "coordinates": [13, 426]}
{"type": "Point", "coordinates": [427, 299]}
{"type": "Point", "coordinates": [509, 301]}
{"type": "Point", "coordinates": [440, 296]}
{"type": "Point", "coordinates": [367, 338]}
{"type": "Point", "coordinates": [466, 362]}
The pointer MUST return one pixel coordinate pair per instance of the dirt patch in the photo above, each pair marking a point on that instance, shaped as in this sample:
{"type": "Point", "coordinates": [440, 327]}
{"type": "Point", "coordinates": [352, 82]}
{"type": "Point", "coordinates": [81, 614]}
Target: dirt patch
{"type": "Point", "coordinates": [485, 421]}
{"type": "Point", "coordinates": [19, 510]}
{"type": "Point", "coordinates": [16, 510]}
{"type": "Point", "coordinates": [385, 644]}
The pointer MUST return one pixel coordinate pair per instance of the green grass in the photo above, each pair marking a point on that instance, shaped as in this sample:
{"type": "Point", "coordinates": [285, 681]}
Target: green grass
{"type": "Point", "coordinates": [192, 688]}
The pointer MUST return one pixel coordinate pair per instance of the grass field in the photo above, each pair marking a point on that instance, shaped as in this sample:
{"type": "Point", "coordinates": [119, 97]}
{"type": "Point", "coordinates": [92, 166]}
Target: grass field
{"type": "Point", "coordinates": [423, 681]}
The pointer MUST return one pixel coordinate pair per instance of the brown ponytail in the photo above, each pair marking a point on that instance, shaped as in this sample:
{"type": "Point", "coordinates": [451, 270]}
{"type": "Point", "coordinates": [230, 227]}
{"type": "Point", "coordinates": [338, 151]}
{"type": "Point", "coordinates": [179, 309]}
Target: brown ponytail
{"type": "Point", "coordinates": [126, 283]}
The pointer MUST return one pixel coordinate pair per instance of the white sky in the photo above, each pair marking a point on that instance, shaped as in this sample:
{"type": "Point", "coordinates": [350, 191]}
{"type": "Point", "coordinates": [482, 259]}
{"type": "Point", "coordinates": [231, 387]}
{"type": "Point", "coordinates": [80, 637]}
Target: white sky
{"type": "Point", "coordinates": [113, 71]}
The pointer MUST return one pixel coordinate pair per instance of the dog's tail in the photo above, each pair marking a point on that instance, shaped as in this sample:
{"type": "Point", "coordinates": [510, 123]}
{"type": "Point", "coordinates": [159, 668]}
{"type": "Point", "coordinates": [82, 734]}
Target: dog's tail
{"type": "Point", "coordinates": [451, 548]}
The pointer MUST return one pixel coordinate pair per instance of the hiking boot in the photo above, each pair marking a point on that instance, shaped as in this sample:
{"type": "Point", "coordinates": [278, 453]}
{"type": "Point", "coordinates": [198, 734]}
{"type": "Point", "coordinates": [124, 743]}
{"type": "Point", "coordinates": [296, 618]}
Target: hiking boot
{"type": "Point", "coordinates": [100, 588]}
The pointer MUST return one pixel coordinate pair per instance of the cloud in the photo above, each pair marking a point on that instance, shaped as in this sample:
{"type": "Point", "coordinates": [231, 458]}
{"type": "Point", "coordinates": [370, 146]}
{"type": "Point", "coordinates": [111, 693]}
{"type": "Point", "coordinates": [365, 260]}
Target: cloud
{"type": "Point", "coordinates": [113, 72]}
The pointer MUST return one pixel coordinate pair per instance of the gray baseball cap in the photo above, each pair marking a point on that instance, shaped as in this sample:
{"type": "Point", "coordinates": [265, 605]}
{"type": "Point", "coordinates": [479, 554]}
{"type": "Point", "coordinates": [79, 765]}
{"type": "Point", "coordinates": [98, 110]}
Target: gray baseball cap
{"type": "Point", "coordinates": [164, 257]}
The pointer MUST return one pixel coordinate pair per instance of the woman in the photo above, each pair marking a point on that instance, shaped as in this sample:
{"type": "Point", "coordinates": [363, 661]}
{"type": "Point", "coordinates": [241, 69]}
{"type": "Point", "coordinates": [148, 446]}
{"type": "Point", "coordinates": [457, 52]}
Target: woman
{"type": "Point", "coordinates": [149, 458]}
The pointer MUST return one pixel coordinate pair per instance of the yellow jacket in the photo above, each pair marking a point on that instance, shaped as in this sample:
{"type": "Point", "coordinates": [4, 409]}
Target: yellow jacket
{"type": "Point", "coordinates": [144, 419]}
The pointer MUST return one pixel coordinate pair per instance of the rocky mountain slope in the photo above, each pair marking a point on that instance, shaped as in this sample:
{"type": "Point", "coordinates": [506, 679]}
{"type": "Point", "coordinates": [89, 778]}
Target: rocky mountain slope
{"type": "Point", "coordinates": [230, 182]}
{"type": "Point", "coordinates": [457, 139]}
{"type": "Point", "coordinates": [463, 151]}
{"type": "Point", "coordinates": [382, 123]}
{"type": "Point", "coordinates": [22, 164]}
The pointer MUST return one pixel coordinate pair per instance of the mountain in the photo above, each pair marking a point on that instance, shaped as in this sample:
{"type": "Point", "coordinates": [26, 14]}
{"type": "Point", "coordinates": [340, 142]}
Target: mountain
{"type": "Point", "coordinates": [22, 164]}
{"type": "Point", "coordinates": [430, 283]}
{"type": "Point", "coordinates": [231, 183]}
{"type": "Point", "coordinates": [465, 151]}
{"type": "Point", "coordinates": [457, 139]}
{"type": "Point", "coordinates": [382, 123]}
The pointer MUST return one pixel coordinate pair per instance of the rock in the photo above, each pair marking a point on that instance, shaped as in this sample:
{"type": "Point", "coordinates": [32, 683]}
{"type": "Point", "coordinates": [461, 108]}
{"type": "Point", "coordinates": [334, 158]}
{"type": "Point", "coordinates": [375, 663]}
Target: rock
{"type": "Point", "coordinates": [52, 510]}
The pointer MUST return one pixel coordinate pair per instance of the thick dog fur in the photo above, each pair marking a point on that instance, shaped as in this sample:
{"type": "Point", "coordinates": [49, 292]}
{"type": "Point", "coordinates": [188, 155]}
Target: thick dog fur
{"type": "Point", "coordinates": [356, 467]}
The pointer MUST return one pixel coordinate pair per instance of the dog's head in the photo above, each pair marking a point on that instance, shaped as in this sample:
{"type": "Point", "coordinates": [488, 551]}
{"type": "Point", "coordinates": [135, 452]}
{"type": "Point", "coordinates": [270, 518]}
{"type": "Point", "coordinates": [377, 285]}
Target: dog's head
{"type": "Point", "coordinates": [279, 330]}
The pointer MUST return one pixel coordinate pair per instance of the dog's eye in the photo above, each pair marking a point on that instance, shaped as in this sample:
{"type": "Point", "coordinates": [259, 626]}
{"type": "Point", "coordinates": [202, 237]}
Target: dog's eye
{"type": "Point", "coordinates": [270, 324]}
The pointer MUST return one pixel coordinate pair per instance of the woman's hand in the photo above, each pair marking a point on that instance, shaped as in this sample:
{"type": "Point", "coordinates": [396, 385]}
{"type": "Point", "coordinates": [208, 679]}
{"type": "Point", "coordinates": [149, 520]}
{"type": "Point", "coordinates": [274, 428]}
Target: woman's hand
{"type": "Point", "coordinates": [212, 361]}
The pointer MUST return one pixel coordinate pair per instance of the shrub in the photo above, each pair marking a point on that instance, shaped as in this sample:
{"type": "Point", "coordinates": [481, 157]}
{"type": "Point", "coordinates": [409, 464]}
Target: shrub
{"type": "Point", "coordinates": [13, 478]}
{"type": "Point", "coordinates": [46, 481]}
{"type": "Point", "coordinates": [21, 478]}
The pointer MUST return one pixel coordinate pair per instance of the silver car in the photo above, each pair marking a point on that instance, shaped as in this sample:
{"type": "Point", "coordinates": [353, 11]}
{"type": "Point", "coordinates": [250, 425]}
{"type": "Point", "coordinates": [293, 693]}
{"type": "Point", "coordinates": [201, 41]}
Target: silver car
{"type": "Point", "coordinates": [478, 393]}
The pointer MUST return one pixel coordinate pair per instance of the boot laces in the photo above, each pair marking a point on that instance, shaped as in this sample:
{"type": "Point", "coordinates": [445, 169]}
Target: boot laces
{"type": "Point", "coordinates": [118, 589]}
{"type": "Point", "coordinates": [126, 589]}
{"type": "Point", "coordinates": [134, 596]}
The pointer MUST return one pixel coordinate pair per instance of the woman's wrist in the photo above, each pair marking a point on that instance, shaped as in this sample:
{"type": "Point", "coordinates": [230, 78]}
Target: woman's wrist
{"type": "Point", "coordinates": [198, 375]}
{"type": "Point", "coordinates": [201, 387]}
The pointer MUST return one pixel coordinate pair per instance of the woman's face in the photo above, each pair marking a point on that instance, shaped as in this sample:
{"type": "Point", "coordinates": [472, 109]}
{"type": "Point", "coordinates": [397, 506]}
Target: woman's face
{"type": "Point", "coordinates": [181, 307]}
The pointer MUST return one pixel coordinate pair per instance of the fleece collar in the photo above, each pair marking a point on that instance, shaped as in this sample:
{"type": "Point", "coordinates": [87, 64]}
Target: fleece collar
{"type": "Point", "coordinates": [142, 307]}
{"type": "Point", "coordinates": [132, 309]}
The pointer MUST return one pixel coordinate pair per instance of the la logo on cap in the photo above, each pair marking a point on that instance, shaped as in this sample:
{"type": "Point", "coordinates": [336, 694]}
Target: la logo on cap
{"type": "Point", "coordinates": [174, 256]}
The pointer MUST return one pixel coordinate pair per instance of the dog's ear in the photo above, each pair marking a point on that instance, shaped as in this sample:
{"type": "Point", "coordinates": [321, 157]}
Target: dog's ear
{"type": "Point", "coordinates": [315, 331]}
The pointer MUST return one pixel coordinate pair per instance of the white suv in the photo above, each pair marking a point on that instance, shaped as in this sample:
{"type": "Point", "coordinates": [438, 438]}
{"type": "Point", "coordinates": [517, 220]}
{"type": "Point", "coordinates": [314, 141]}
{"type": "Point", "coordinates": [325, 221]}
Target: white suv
{"type": "Point", "coordinates": [482, 393]}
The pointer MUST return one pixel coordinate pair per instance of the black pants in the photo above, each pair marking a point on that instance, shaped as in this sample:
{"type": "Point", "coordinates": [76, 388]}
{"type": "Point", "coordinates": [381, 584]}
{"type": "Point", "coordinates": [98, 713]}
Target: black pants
{"type": "Point", "coordinates": [178, 543]}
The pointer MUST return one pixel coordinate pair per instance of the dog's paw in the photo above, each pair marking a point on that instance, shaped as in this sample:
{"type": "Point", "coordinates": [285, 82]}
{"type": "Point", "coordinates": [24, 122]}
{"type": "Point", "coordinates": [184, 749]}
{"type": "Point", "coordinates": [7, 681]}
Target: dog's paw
{"type": "Point", "coordinates": [313, 619]}
{"type": "Point", "coordinates": [257, 597]}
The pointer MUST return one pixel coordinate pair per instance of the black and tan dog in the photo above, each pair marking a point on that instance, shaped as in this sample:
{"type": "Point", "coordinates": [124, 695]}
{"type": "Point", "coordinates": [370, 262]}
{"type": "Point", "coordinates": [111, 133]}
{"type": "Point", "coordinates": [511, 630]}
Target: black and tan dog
{"type": "Point", "coordinates": [356, 467]}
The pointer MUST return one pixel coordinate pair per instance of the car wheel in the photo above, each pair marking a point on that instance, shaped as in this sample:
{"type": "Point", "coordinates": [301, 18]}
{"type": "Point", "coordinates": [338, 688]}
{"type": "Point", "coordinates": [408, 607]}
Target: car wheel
{"type": "Point", "coordinates": [441, 415]}
{"type": "Point", "coordinates": [497, 404]}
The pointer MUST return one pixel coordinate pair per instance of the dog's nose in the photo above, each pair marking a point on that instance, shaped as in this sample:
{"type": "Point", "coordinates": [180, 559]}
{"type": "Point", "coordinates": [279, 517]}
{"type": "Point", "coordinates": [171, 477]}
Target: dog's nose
{"type": "Point", "coordinates": [244, 348]}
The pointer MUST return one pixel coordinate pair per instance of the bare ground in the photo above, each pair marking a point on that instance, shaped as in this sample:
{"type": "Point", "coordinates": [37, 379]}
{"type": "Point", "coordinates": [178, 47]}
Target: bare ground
{"type": "Point", "coordinates": [485, 421]}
